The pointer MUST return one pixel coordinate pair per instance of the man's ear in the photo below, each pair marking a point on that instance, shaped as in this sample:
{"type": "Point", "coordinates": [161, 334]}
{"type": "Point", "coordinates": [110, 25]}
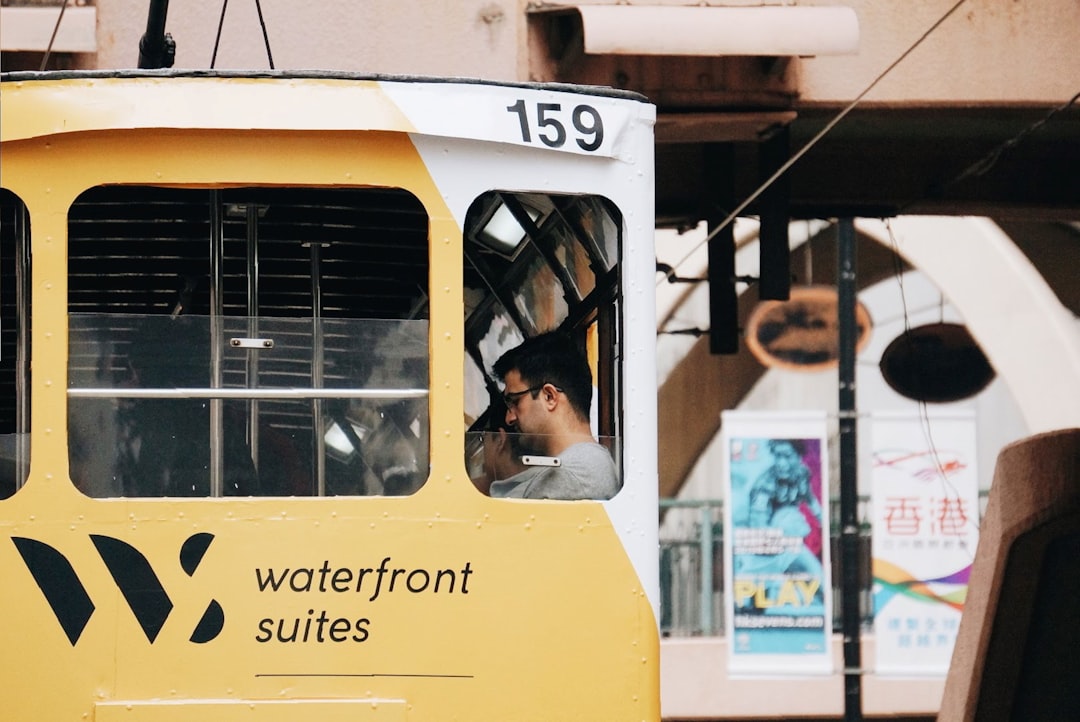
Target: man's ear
{"type": "Point", "coordinates": [551, 395]}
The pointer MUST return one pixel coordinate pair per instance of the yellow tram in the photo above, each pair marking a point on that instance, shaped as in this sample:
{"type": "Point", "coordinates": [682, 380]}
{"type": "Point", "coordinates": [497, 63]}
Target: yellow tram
{"type": "Point", "coordinates": [248, 330]}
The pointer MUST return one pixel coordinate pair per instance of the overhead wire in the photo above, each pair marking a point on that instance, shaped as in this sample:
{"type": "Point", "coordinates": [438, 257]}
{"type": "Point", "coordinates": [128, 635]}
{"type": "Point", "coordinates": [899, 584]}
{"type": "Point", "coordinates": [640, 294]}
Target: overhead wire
{"type": "Point", "coordinates": [262, 25]}
{"type": "Point", "coordinates": [985, 163]}
{"type": "Point", "coordinates": [817, 137]}
{"type": "Point", "coordinates": [52, 39]}
{"type": "Point", "coordinates": [949, 490]}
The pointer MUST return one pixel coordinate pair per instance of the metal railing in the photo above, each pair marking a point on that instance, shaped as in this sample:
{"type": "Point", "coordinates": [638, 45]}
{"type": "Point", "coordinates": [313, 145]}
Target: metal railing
{"type": "Point", "coordinates": [692, 567]}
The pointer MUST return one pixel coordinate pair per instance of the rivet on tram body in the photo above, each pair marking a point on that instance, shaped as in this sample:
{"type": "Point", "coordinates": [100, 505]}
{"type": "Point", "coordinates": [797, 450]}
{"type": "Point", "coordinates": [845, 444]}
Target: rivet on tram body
{"type": "Point", "coordinates": [48, 383]}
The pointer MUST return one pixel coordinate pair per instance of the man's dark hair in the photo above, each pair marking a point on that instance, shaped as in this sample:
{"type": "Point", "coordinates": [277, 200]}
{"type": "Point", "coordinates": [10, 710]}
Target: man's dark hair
{"type": "Point", "coordinates": [552, 358]}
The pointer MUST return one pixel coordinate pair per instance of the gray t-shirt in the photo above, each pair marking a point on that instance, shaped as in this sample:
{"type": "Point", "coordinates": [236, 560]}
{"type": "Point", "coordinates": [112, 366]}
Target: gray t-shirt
{"type": "Point", "coordinates": [585, 471]}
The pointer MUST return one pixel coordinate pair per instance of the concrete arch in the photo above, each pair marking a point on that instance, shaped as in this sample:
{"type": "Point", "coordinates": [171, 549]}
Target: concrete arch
{"type": "Point", "coordinates": [1022, 327]}
{"type": "Point", "coordinates": [1029, 337]}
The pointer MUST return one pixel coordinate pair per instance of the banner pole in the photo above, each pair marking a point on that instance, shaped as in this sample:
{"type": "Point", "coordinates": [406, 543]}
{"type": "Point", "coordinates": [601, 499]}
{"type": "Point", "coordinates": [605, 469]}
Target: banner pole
{"type": "Point", "coordinates": [849, 500]}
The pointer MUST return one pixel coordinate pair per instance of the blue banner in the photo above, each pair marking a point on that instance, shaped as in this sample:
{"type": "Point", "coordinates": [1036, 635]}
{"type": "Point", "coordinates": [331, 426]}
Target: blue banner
{"type": "Point", "coordinates": [778, 586]}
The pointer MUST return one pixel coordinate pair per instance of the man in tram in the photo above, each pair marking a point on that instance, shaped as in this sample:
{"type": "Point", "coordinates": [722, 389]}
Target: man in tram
{"type": "Point", "coordinates": [547, 389]}
{"type": "Point", "coordinates": [501, 453]}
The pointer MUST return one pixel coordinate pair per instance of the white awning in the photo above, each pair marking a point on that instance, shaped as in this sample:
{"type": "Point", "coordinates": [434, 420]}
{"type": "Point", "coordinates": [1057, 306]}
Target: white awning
{"type": "Point", "coordinates": [768, 30]}
{"type": "Point", "coordinates": [30, 28]}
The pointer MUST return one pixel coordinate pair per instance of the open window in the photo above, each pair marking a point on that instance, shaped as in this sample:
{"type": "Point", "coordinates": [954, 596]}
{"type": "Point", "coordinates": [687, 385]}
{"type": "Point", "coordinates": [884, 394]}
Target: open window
{"type": "Point", "coordinates": [535, 264]}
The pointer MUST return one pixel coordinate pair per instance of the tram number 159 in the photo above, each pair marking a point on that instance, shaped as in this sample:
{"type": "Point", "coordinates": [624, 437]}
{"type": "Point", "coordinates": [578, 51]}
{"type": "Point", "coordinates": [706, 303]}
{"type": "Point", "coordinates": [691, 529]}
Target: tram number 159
{"type": "Point", "coordinates": [552, 131]}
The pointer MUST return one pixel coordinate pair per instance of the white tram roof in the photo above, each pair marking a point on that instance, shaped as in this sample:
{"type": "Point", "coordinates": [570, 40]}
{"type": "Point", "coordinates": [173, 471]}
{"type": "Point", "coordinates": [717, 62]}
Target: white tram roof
{"type": "Point", "coordinates": [317, 100]}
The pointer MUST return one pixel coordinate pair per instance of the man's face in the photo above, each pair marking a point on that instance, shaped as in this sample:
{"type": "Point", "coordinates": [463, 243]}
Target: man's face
{"type": "Point", "coordinates": [526, 412]}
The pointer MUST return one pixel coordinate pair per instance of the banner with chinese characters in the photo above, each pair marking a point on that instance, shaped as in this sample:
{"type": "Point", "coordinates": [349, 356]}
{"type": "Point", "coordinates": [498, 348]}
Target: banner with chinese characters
{"type": "Point", "coordinates": [925, 500]}
{"type": "Point", "coordinates": [778, 593]}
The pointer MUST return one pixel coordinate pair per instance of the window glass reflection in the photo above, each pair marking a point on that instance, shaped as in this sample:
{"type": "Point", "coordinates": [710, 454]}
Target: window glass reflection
{"type": "Point", "coordinates": [145, 413]}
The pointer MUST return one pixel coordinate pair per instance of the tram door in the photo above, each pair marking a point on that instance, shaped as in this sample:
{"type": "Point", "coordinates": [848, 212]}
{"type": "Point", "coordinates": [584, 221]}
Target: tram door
{"type": "Point", "coordinates": [248, 342]}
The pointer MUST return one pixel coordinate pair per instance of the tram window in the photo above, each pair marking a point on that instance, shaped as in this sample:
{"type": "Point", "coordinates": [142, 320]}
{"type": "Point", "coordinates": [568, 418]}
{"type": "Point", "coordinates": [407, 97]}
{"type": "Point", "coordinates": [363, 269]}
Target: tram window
{"type": "Point", "coordinates": [537, 264]}
{"type": "Point", "coordinates": [14, 343]}
{"type": "Point", "coordinates": [267, 342]}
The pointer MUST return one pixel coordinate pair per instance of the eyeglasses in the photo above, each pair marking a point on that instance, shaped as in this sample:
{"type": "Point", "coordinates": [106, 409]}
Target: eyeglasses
{"type": "Point", "coordinates": [511, 398]}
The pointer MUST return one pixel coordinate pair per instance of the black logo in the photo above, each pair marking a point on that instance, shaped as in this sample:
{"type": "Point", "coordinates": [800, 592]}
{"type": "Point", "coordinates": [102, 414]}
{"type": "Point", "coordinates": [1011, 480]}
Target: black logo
{"type": "Point", "coordinates": [134, 577]}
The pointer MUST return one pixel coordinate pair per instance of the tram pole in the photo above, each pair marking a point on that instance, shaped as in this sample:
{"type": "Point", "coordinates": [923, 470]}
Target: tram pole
{"type": "Point", "coordinates": [157, 49]}
{"type": "Point", "coordinates": [849, 499]}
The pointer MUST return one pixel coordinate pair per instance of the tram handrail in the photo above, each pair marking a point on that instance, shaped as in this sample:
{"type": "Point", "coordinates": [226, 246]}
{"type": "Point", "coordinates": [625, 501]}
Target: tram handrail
{"type": "Point", "coordinates": [240, 393]}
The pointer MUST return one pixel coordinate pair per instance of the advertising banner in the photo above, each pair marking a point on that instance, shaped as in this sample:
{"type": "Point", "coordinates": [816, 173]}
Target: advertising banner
{"type": "Point", "coordinates": [778, 589]}
{"type": "Point", "coordinates": [925, 499]}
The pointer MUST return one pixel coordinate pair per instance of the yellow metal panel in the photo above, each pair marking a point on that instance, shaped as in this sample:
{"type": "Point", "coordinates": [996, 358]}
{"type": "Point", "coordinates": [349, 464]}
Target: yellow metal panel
{"type": "Point", "coordinates": [305, 612]}
{"type": "Point", "coordinates": [375, 710]}
{"type": "Point", "coordinates": [46, 107]}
